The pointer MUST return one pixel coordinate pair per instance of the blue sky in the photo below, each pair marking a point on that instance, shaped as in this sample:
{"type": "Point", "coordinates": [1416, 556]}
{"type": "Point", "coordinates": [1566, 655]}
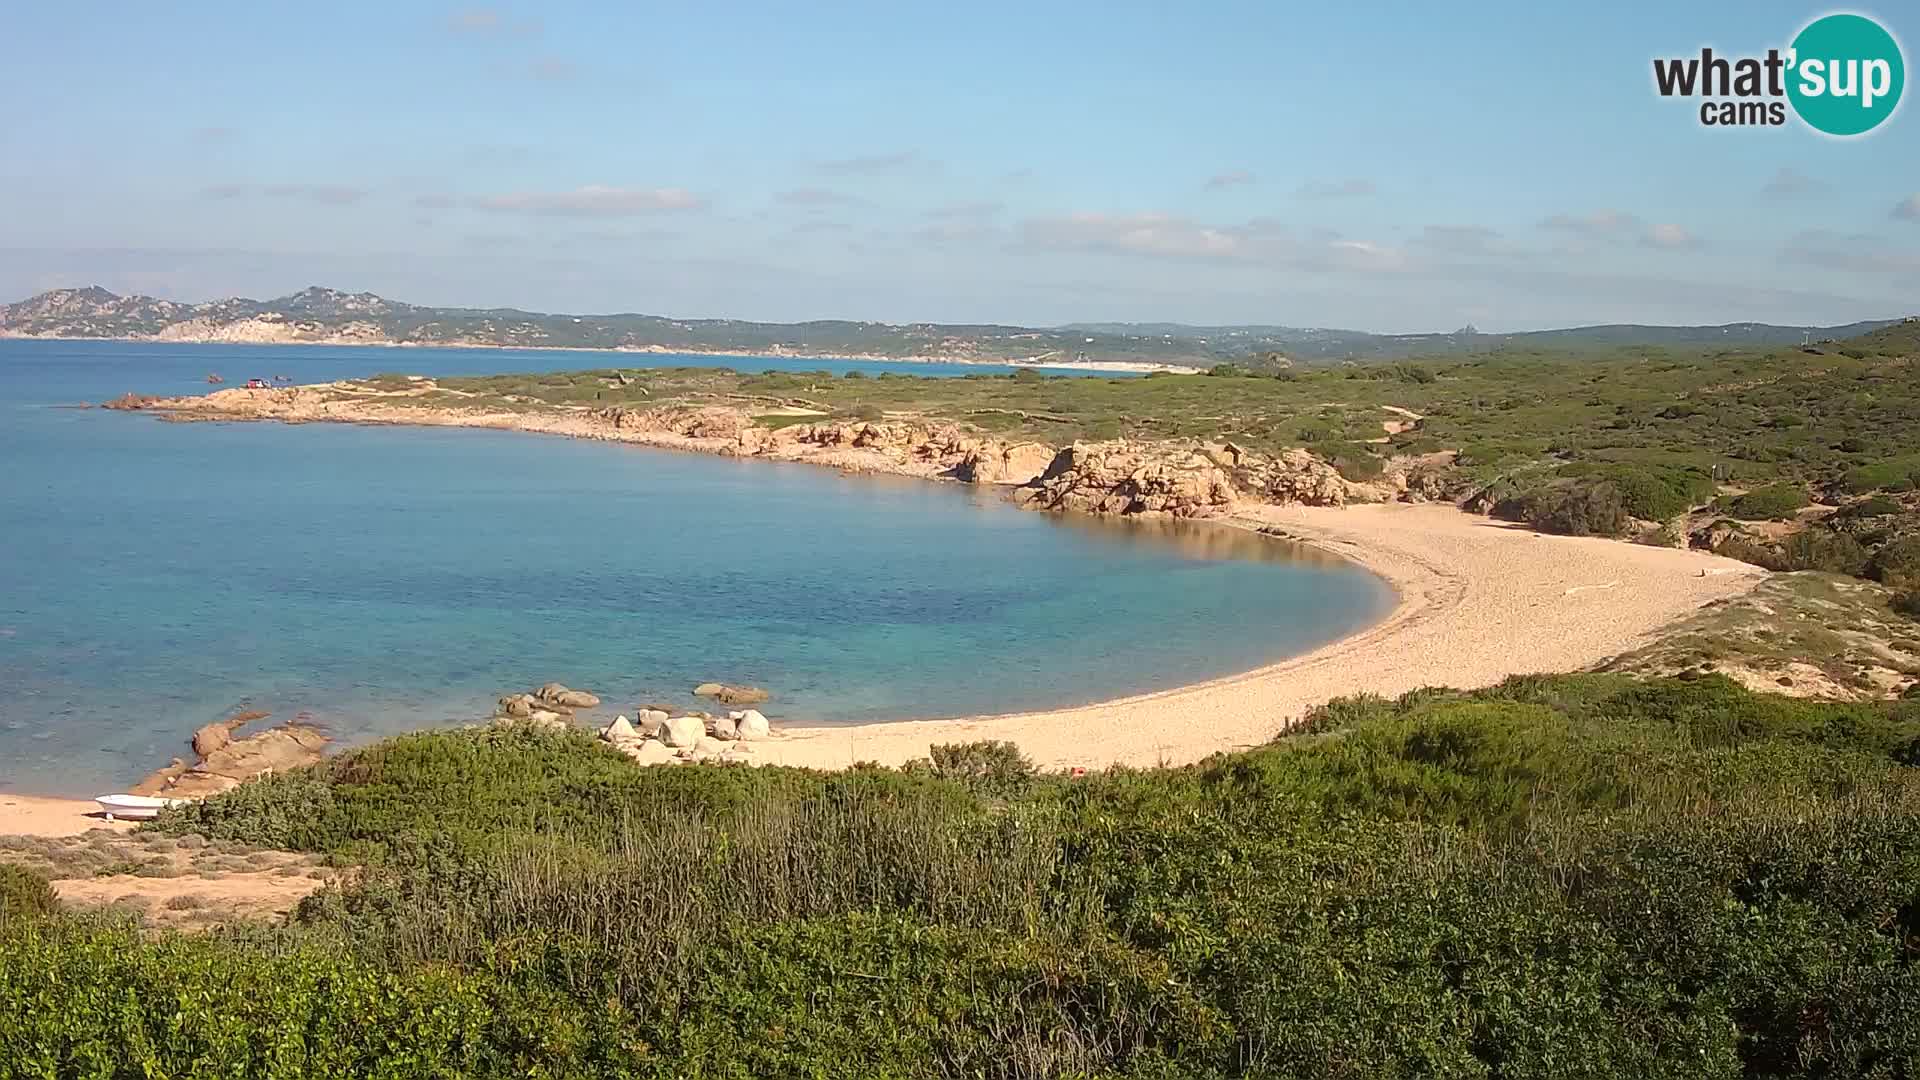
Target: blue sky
{"type": "Point", "coordinates": [1382, 166]}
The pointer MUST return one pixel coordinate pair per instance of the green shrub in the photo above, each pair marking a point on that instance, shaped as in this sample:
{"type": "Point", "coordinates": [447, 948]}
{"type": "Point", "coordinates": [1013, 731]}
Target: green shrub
{"type": "Point", "coordinates": [1646, 492]}
{"type": "Point", "coordinates": [1777, 502]}
{"type": "Point", "coordinates": [1579, 508]}
{"type": "Point", "coordinates": [853, 373]}
{"type": "Point", "coordinates": [989, 767]}
{"type": "Point", "coordinates": [1894, 475]}
{"type": "Point", "coordinates": [1559, 875]}
{"type": "Point", "coordinates": [24, 895]}
{"type": "Point", "coordinates": [1822, 549]}
{"type": "Point", "coordinates": [1897, 563]}
{"type": "Point", "coordinates": [1359, 466]}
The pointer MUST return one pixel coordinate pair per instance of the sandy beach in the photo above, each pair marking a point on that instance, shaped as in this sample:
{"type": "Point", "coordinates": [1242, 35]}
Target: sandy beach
{"type": "Point", "coordinates": [1480, 600]}
{"type": "Point", "coordinates": [37, 815]}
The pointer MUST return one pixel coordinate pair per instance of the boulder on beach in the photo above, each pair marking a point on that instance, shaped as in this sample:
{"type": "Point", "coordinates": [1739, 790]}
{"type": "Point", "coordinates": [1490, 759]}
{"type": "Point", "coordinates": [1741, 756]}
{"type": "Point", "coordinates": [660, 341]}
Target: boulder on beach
{"type": "Point", "coordinates": [548, 718]}
{"type": "Point", "coordinates": [752, 726]}
{"type": "Point", "coordinates": [620, 731]}
{"type": "Point", "coordinates": [710, 747]}
{"type": "Point", "coordinates": [517, 705]}
{"type": "Point", "coordinates": [648, 752]}
{"type": "Point", "coordinates": [649, 721]}
{"type": "Point", "coordinates": [721, 727]}
{"type": "Point", "coordinates": [683, 731]}
{"type": "Point", "coordinates": [707, 689]}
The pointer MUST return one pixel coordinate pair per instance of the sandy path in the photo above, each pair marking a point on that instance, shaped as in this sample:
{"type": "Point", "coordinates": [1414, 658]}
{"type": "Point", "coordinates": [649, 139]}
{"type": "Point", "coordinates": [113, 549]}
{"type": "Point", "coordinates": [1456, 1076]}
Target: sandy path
{"type": "Point", "coordinates": [1481, 600]}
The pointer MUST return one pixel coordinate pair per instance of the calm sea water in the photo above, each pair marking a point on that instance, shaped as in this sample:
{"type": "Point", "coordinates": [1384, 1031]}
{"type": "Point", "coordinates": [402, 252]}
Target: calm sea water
{"type": "Point", "coordinates": [154, 576]}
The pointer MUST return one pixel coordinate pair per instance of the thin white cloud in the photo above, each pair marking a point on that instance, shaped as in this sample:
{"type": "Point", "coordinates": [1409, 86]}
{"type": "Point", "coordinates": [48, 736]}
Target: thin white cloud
{"type": "Point", "coordinates": [1460, 239]}
{"type": "Point", "coordinates": [1230, 178]}
{"type": "Point", "coordinates": [1854, 253]}
{"type": "Point", "coordinates": [1790, 182]}
{"type": "Point", "coordinates": [553, 69]}
{"type": "Point", "coordinates": [593, 200]}
{"type": "Point", "coordinates": [1336, 189]}
{"type": "Point", "coordinates": [817, 197]}
{"type": "Point", "coordinates": [1669, 237]}
{"type": "Point", "coordinates": [965, 210]}
{"type": "Point", "coordinates": [1601, 223]}
{"type": "Point", "coordinates": [1135, 234]}
{"type": "Point", "coordinates": [873, 163]}
{"type": "Point", "coordinates": [324, 194]}
{"type": "Point", "coordinates": [1908, 209]}
{"type": "Point", "coordinates": [1621, 227]}
{"type": "Point", "coordinates": [490, 22]}
{"type": "Point", "coordinates": [1261, 241]}
{"type": "Point", "coordinates": [435, 201]}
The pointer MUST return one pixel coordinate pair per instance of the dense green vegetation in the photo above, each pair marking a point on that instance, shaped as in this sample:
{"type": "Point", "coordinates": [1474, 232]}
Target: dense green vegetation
{"type": "Point", "coordinates": [1569, 876]}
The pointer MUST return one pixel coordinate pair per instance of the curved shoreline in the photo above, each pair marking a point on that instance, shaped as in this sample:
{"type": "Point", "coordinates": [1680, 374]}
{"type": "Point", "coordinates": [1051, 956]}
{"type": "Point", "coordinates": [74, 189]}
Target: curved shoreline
{"type": "Point", "coordinates": [1480, 601]}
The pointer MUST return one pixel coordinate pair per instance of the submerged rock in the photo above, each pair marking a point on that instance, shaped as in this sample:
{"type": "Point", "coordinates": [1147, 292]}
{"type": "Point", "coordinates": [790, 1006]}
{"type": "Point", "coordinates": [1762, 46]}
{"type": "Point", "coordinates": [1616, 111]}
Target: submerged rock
{"type": "Point", "coordinates": [728, 694]}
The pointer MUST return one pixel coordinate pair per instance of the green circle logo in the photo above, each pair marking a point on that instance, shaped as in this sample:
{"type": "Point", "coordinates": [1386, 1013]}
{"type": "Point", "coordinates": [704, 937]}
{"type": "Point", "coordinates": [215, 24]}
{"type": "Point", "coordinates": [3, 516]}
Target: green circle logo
{"type": "Point", "coordinates": [1847, 74]}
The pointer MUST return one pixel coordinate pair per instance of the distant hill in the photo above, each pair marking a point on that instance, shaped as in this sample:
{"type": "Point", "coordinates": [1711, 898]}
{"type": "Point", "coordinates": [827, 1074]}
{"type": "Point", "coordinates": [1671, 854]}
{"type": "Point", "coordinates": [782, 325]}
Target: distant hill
{"type": "Point", "coordinates": [321, 315]}
{"type": "Point", "coordinates": [1316, 343]}
{"type": "Point", "coordinates": [1893, 339]}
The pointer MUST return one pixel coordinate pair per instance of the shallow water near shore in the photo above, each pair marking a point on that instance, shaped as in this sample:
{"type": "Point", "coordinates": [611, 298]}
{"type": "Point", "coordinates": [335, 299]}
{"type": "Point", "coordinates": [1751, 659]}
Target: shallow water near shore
{"type": "Point", "coordinates": [154, 576]}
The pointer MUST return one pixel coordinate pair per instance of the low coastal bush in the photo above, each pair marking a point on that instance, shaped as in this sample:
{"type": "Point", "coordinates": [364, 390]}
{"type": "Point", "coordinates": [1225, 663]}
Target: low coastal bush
{"type": "Point", "coordinates": [1646, 492]}
{"type": "Point", "coordinates": [1897, 564]}
{"type": "Point", "coordinates": [24, 895]}
{"type": "Point", "coordinates": [1776, 502]}
{"type": "Point", "coordinates": [1575, 508]}
{"type": "Point", "coordinates": [1560, 875]}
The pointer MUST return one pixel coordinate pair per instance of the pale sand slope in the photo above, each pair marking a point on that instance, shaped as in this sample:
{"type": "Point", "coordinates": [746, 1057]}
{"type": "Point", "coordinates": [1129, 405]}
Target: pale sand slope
{"type": "Point", "coordinates": [1481, 600]}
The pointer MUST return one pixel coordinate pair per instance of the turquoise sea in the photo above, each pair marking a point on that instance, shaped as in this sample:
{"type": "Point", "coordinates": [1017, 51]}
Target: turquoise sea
{"type": "Point", "coordinates": [155, 576]}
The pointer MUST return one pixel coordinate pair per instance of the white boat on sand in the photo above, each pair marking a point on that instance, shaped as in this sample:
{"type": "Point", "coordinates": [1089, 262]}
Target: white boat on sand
{"type": "Point", "coordinates": [134, 807]}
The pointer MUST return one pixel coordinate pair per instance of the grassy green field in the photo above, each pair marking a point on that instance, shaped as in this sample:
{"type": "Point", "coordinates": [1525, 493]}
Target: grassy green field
{"type": "Point", "coordinates": [1561, 876]}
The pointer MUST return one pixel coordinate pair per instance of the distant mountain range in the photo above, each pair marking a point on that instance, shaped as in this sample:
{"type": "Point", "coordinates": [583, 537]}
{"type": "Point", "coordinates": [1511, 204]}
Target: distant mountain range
{"type": "Point", "coordinates": [327, 316]}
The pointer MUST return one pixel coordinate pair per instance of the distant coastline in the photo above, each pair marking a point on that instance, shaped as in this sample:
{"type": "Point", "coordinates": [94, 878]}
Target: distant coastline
{"type": "Point", "coordinates": [1131, 367]}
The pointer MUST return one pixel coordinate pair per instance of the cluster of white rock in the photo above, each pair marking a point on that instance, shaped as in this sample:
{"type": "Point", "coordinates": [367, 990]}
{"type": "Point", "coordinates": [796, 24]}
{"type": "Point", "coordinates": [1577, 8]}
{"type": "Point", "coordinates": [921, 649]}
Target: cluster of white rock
{"type": "Point", "coordinates": [654, 737]}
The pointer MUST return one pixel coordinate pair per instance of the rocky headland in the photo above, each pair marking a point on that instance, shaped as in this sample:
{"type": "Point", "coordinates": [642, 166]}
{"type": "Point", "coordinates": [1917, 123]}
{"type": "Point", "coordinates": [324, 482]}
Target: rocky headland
{"type": "Point", "coordinates": [1180, 478]}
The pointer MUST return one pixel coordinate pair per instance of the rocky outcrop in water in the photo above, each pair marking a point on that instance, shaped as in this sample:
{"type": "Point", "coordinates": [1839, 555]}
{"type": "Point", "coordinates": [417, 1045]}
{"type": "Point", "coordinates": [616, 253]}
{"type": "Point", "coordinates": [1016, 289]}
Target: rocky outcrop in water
{"type": "Point", "coordinates": [728, 694]}
{"type": "Point", "coordinates": [225, 761]}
